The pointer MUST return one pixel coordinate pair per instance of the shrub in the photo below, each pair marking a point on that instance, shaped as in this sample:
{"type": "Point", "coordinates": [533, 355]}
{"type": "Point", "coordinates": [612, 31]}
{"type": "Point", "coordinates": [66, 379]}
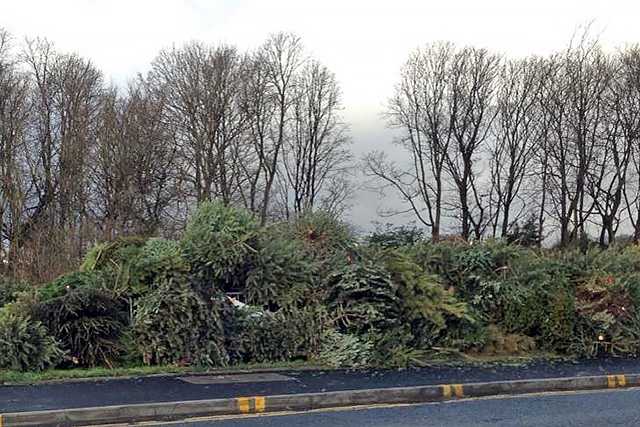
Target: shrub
{"type": "Point", "coordinates": [66, 283]}
{"type": "Point", "coordinates": [129, 266]}
{"type": "Point", "coordinates": [525, 234]}
{"type": "Point", "coordinates": [396, 348]}
{"type": "Point", "coordinates": [218, 244]}
{"type": "Point", "coordinates": [424, 305]}
{"type": "Point", "coordinates": [257, 336]}
{"type": "Point", "coordinates": [9, 286]}
{"type": "Point", "coordinates": [174, 325]}
{"type": "Point", "coordinates": [118, 253]}
{"type": "Point", "coordinates": [87, 322]}
{"type": "Point", "coordinates": [25, 344]}
{"type": "Point", "coordinates": [159, 261]}
{"type": "Point", "coordinates": [509, 286]}
{"type": "Point", "coordinates": [361, 298]}
{"type": "Point", "coordinates": [419, 293]}
{"type": "Point", "coordinates": [390, 236]}
{"type": "Point", "coordinates": [115, 261]}
{"type": "Point", "coordinates": [345, 350]}
{"type": "Point", "coordinates": [606, 316]}
{"type": "Point", "coordinates": [130, 354]}
{"type": "Point", "coordinates": [606, 295]}
{"type": "Point", "coordinates": [281, 274]}
{"type": "Point", "coordinates": [500, 343]}
{"type": "Point", "coordinates": [463, 335]}
{"type": "Point", "coordinates": [324, 238]}
{"type": "Point", "coordinates": [463, 265]}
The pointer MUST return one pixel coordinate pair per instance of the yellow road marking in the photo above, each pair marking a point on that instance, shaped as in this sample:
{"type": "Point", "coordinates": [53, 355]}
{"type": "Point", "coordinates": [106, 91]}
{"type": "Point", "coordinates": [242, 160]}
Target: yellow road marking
{"type": "Point", "coordinates": [260, 404]}
{"type": "Point", "coordinates": [446, 390]}
{"type": "Point", "coordinates": [243, 405]}
{"type": "Point", "coordinates": [458, 390]}
{"type": "Point", "coordinates": [622, 380]}
{"type": "Point", "coordinates": [0, 420]}
{"type": "Point", "coordinates": [611, 381]}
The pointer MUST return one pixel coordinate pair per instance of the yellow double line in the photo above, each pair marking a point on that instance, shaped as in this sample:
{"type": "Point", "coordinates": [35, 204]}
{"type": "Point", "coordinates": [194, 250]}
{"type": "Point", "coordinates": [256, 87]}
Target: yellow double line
{"type": "Point", "coordinates": [244, 404]}
{"type": "Point", "coordinates": [452, 389]}
{"type": "Point", "coordinates": [614, 381]}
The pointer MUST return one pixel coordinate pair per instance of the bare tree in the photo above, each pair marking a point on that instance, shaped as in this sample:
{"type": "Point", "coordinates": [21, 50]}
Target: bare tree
{"type": "Point", "coordinates": [135, 179]}
{"type": "Point", "coordinates": [14, 116]}
{"type": "Point", "coordinates": [607, 179]}
{"type": "Point", "coordinates": [278, 62]}
{"type": "Point", "coordinates": [626, 139]}
{"type": "Point", "coordinates": [201, 85]}
{"type": "Point", "coordinates": [443, 106]}
{"type": "Point", "coordinates": [515, 137]}
{"type": "Point", "coordinates": [250, 126]}
{"type": "Point", "coordinates": [419, 110]}
{"type": "Point", "coordinates": [315, 157]}
{"type": "Point", "coordinates": [64, 103]}
{"type": "Point", "coordinates": [574, 104]}
{"type": "Point", "coordinates": [473, 76]}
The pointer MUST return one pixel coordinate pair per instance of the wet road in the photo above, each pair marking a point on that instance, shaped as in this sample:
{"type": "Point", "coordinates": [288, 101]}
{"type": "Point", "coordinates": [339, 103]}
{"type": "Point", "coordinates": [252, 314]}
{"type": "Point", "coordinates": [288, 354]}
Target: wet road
{"type": "Point", "coordinates": [593, 409]}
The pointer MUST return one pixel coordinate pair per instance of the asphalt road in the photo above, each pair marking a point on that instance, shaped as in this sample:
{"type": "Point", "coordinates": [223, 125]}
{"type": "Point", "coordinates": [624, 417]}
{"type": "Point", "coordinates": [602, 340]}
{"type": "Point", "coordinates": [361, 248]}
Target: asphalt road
{"type": "Point", "coordinates": [593, 409]}
{"type": "Point", "coordinates": [19, 398]}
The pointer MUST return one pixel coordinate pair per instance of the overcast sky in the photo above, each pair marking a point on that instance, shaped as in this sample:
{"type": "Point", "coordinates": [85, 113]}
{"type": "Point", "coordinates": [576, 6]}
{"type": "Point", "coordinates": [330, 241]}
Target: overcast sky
{"type": "Point", "coordinates": [363, 42]}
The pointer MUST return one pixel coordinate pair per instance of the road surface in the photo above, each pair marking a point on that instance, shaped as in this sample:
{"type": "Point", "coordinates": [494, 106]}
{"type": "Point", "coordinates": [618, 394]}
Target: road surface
{"type": "Point", "coordinates": [592, 409]}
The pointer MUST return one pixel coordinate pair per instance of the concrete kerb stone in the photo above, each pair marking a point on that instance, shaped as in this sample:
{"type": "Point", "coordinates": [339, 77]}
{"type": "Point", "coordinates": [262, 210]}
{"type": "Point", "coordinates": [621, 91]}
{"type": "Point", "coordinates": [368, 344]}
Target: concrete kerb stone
{"type": "Point", "coordinates": [301, 402]}
{"type": "Point", "coordinates": [121, 413]}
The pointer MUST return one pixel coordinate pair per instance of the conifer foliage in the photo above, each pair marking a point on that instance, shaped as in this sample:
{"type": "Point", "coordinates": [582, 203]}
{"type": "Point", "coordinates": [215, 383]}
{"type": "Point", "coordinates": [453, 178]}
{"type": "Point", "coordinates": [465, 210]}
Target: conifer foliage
{"type": "Point", "coordinates": [232, 291]}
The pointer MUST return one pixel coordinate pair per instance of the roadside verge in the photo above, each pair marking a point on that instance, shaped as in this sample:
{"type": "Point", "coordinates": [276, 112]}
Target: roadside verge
{"type": "Point", "coordinates": [302, 402]}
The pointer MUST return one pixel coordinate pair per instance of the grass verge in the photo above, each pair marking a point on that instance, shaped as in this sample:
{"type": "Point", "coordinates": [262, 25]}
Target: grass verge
{"type": "Point", "coordinates": [137, 371]}
{"type": "Point", "coordinates": [14, 377]}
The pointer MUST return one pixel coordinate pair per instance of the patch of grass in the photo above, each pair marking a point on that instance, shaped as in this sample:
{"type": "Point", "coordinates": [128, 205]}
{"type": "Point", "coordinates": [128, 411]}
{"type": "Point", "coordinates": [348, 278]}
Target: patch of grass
{"type": "Point", "coordinates": [465, 359]}
{"type": "Point", "coordinates": [138, 371]}
{"type": "Point", "coordinates": [70, 374]}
